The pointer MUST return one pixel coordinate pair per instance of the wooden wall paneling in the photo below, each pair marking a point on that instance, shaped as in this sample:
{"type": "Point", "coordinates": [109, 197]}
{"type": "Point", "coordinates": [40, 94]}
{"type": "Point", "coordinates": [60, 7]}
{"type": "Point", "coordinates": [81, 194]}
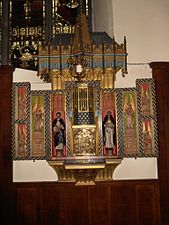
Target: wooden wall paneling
{"type": "Point", "coordinates": [100, 204]}
{"type": "Point", "coordinates": [50, 206]}
{"type": "Point", "coordinates": [63, 204]}
{"type": "Point", "coordinates": [75, 205]}
{"type": "Point", "coordinates": [5, 145]}
{"type": "Point", "coordinates": [160, 72]}
{"type": "Point", "coordinates": [108, 203]}
{"type": "Point", "coordinates": [147, 212]}
{"type": "Point", "coordinates": [123, 203]}
{"type": "Point", "coordinates": [26, 202]}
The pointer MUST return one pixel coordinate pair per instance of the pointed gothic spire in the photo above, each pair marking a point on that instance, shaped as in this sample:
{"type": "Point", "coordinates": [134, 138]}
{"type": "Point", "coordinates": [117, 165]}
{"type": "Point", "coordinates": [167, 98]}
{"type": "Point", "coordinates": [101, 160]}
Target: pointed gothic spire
{"type": "Point", "coordinates": [81, 36]}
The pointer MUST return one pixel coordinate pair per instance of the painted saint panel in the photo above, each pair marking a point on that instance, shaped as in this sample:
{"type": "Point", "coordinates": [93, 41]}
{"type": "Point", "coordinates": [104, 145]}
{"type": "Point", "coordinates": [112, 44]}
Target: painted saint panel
{"type": "Point", "coordinates": [146, 108]}
{"type": "Point", "coordinates": [21, 134]}
{"type": "Point", "coordinates": [21, 102]}
{"type": "Point", "coordinates": [148, 136]}
{"type": "Point", "coordinates": [20, 120]}
{"type": "Point", "coordinates": [37, 125]}
{"type": "Point", "coordinates": [109, 123]}
{"type": "Point", "coordinates": [58, 124]}
{"type": "Point", "coordinates": [147, 113]}
{"type": "Point", "coordinates": [130, 122]}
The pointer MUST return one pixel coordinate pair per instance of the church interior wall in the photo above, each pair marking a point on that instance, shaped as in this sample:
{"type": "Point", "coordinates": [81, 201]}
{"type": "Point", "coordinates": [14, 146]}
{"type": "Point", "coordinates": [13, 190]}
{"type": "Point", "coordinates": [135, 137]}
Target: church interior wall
{"type": "Point", "coordinates": [143, 23]}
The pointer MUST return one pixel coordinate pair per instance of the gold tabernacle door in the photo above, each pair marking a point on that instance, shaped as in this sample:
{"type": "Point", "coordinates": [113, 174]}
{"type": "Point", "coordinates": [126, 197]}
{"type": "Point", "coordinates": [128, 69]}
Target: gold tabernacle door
{"type": "Point", "coordinates": [84, 140]}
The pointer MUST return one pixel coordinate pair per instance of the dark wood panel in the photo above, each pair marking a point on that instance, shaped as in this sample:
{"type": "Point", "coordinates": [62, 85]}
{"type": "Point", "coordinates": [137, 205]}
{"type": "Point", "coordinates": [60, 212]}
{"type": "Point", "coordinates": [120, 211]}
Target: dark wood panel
{"type": "Point", "coordinates": [50, 205]}
{"type": "Point", "coordinates": [161, 76]}
{"type": "Point", "coordinates": [124, 203]}
{"type": "Point", "coordinates": [63, 204]}
{"type": "Point", "coordinates": [75, 205]}
{"type": "Point", "coordinates": [5, 145]}
{"type": "Point", "coordinates": [5, 125]}
{"type": "Point", "coordinates": [110, 203]}
{"type": "Point", "coordinates": [145, 209]}
{"type": "Point", "coordinates": [26, 206]}
{"type": "Point", "coordinates": [100, 204]}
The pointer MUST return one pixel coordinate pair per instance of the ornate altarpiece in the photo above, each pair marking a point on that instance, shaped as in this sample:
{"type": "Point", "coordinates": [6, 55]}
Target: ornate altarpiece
{"type": "Point", "coordinates": [84, 126]}
{"type": "Point", "coordinates": [85, 158]}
